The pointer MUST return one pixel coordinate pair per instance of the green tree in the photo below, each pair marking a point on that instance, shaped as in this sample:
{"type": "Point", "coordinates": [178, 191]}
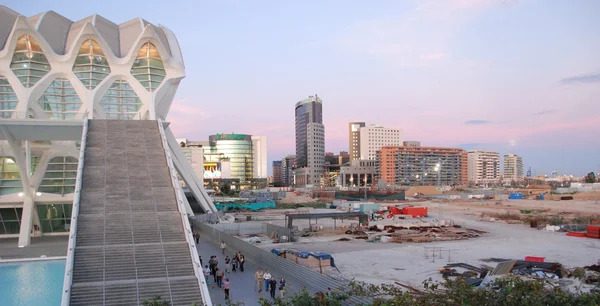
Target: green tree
{"type": "Point", "coordinates": [156, 301]}
{"type": "Point", "coordinates": [226, 189]}
{"type": "Point", "coordinates": [590, 178]}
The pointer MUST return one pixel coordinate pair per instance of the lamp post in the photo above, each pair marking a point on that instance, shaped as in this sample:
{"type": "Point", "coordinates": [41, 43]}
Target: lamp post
{"type": "Point", "coordinates": [365, 187]}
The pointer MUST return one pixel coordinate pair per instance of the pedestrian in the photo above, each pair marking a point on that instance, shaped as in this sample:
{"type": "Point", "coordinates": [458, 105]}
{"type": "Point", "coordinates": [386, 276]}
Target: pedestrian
{"type": "Point", "coordinates": [206, 272]}
{"type": "Point", "coordinates": [258, 277]}
{"type": "Point", "coordinates": [328, 292]}
{"type": "Point", "coordinates": [223, 246]}
{"type": "Point", "coordinates": [242, 260]}
{"type": "Point", "coordinates": [226, 286]}
{"type": "Point", "coordinates": [272, 287]}
{"type": "Point", "coordinates": [282, 287]}
{"type": "Point", "coordinates": [234, 264]}
{"type": "Point", "coordinates": [227, 264]}
{"type": "Point", "coordinates": [200, 257]}
{"type": "Point", "coordinates": [267, 277]}
{"type": "Point", "coordinates": [213, 267]}
{"type": "Point", "coordinates": [219, 278]}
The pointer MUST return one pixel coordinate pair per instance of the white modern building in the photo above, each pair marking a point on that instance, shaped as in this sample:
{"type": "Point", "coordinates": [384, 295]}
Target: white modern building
{"type": "Point", "coordinates": [56, 73]}
{"type": "Point", "coordinates": [259, 152]}
{"type": "Point", "coordinates": [513, 167]}
{"type": "Point", "coordinates": [373, 137]}
{"type": "Point", "coordinates": [483, 167]}
{"type": "Point", "coordinates": [194, 154]}
{"type": "Point", "coordinates": [310, 142]}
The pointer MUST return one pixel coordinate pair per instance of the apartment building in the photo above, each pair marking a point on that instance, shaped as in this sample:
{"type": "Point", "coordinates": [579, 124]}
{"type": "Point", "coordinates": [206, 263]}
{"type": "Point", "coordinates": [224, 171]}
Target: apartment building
{"type": "Point", "coordinates": [483, 167]}
{"type": "Point", "coordinates": [374, 137]}
{"type": "Point", "coordinates": [513, 167]}
{"type": "Point", "coordinates": [414, 166]}
{"type": "Point", "coordinates": [310, 141]}
{"type": "Point", "coordinates": [354, 137]}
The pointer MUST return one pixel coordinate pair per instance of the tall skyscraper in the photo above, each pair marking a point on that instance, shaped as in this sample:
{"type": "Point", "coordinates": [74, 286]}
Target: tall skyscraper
{"type": "Point", "coordinates": [277, 172]}
{"type": "Point", "coordinates": [374, 137]}
{"type": "Point", "coordinates": [354, 137]}
{"type": "Point", "coordinates": [513, 167]}
{"type": "Point", "coordinates": [310, 141]}
{"type": "Point", "coordinates": [483, 167]}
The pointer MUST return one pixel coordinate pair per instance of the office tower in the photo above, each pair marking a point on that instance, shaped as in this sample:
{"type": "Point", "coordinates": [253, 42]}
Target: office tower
{"type": "Point", "coordinates": [277, 172]}
{"type": "Point", "coordinates": [513, 167]}
{"type": "Point", "coordinates": [421, 166]}
{"type": "Point", "coordinates": [288, 165]}
{"type": "Point", "coordinates": [354, 139]}
{"type": "Point", "coordinates": [310, 141]}
{"type": "Point", "coordinates": [374, 137]}
{"type": "Point", "coordinates": [483, 167]}
{"type": "Point", "coordinates": [259, 151]}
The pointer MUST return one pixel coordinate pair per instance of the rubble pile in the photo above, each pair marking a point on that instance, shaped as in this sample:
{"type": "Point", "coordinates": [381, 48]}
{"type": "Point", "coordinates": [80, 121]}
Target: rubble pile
{"type": "Point", "coordinates": [402, 234]}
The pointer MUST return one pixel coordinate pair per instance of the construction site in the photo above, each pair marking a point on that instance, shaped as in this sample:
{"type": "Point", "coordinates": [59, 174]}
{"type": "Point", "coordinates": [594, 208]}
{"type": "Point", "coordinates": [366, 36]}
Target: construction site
{"type": "Point", "coordinates": [420, 237]}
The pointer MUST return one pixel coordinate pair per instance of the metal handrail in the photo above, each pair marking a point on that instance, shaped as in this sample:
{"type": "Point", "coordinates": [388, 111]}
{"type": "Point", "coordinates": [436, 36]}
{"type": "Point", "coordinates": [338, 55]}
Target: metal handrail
{"type": "Point", "coordinates": [186, 223]}
{"type": "Point", "coordinates": [68, 281]}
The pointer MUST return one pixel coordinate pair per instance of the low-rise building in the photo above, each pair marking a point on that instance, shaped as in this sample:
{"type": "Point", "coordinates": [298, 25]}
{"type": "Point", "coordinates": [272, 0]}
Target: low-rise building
{"type": "Point", "coordinates": [358, 173]}
{"type": "Point", "coordinates": [415, 166]}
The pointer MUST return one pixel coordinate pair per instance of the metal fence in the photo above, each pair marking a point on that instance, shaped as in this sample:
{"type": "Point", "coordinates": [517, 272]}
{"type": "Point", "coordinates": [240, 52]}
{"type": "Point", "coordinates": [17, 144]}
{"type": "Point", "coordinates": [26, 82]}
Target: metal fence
{"type": "Point", "coordinates": [297, 276]}
{"type": "Point", "coordinates": [207, 218]}
{"type": "Point", "coordinates": [247, 228]}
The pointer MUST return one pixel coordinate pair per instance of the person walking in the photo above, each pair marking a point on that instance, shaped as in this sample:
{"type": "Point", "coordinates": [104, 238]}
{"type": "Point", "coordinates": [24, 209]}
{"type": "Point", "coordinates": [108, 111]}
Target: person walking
{"type": "Point", "coordinates": [258, 277]}
{"type": "Point", "coordinates": [227, 264]}
{"type": "Point", "coordinates": [197, 237]}
{"type": "Point", "coordinates": [267, 277]}
{"type": "Point", "coordinates": [234, 262]}
{"type": "Point", "coordinates": [242, 259]}
{"type": "Point", "coordinates": [201, 264]}
{"type": "Point", "coordinates": [213, 267]}
{"type": "Point", "coordinates": [219, 278]}
{"type": "Point", "coordinates": [282, 287]}
{"type": "Point", "coordinates": [226, 285]}
{"type": "Point", "coordinates": [272, 286]}
{"type": "Point", "coordinates": [223, 246]}
{"type": "Point", "coordinates": [206, 272]}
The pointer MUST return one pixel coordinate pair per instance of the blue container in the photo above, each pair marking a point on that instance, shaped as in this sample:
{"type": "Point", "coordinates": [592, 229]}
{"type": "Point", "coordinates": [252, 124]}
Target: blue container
{"type": "Point", "coordinates": [515, 196]}
{"type": "Point", "coordinates": [541, 196]}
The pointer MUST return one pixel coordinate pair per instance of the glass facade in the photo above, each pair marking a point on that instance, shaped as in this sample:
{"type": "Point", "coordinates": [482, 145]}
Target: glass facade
{"type": "Point", "coordinates": [148, 67]}
{"type": "Point", "coordinates": [91, 66]}
{"type": "Point", "coordinates": [237, 149]}
{"type": "Point", "coordinates": [8, 98]}
{"type": "Point", "coordinates": [120, 101]}
{"type": "Point", "coordinates": [55, 218]}
{"type": "Point", "coordinates": [29, 62]}
{"type": "Point", "coordinates": [10, 182]}
{"type": "Point", "coordinates": [307, 111]}
{"type": "Point", "coordinates": [60, 176]}
{"type": "Point", "coordinates": [10, 220]}
{"type": "Point", "coordinates": [60, 101]}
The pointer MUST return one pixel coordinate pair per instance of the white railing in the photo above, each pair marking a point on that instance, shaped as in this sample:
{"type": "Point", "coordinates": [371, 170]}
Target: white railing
{"type": "Point", "coordinates": [186, 223]}
{"type": "Point", "coordinates": [66, 294]}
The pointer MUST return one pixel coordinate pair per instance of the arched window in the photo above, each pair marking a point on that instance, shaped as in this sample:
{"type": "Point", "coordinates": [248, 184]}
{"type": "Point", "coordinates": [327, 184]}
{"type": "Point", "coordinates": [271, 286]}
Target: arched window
{"type": "Point", "coordinates": [60, 101]}
{"type": "Point", "coordinates": [60, 176]}
{"type": "Point", "coordinates": [120, 101]}
{"type": "Point", "coordinates": [148, 67]}
{"type": "Point", "coordinates": [29, 62]}
{"type": "Point", "coordinates": [8, 98]}
{"type": "Point", "coordinates": [90, 65]}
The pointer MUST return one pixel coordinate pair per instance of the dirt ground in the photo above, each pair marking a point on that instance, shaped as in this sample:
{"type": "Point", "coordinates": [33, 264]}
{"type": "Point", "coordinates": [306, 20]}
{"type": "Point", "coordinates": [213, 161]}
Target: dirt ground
{"type": "Point", "coordinates": [378, 262]}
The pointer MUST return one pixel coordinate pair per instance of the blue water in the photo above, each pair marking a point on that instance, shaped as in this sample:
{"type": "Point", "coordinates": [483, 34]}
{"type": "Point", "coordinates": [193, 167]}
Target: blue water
{"type": "Point", "coordinates": [32, 283]}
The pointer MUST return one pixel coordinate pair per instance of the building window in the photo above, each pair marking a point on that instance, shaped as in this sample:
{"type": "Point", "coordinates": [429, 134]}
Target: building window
{"type": "Point", "coordinates": [60, 101]}
{"type": "Point", "coordinates": [60, 176]}
{"type": "Point", "coordinates": [55, 218]}
{"type": "Point", "coordinates": [148, 67]}
{"type": "Point", "coordinates": [29, 62]}
{"type": "Point", "coordinates": [10, 220]}
{"type": "Point", "coordinates": [8, 98]}
{"type": "Point", "coordinates": [120, 101]}
{"type": "Point", "coordinates": [10, 181]}
{"type": "Point", "coordinates": [90, 65]}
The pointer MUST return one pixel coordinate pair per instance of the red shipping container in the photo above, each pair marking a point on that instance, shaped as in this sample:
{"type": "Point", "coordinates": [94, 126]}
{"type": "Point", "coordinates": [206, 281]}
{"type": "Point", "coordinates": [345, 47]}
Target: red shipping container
{"type": "Point", "coordinates": [577, 234]}
{"type": "Point", "coordinates": [593, 228]}
{"type": "Point", "coordinates": [593, 235]}
{"type": "Point", "coordinates": [534, 259]}
{"type": "Point", "coordinates": [415, 211]}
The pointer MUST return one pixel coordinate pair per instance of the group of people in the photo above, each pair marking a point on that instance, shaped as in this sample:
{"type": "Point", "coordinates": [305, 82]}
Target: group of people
{"type": "Point", "coordinates": [218, 275]}
{"type": "Point", "coordinates": [270, 283]}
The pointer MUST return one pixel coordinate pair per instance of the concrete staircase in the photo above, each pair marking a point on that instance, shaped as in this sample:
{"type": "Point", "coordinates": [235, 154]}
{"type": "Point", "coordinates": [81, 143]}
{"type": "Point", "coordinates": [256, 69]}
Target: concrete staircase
{"type": "Point", "coordinates": [130, 237]}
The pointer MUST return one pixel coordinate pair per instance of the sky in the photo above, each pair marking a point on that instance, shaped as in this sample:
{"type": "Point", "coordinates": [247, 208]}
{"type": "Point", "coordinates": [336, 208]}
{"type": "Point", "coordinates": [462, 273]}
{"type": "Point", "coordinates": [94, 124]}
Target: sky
{"type": "Point", "coordinates": [512, 76]}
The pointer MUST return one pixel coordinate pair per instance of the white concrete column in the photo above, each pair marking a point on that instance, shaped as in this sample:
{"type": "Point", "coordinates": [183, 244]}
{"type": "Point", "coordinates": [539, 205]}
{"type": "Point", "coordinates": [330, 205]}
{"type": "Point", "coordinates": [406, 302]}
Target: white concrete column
{"type": "Point", "coordinates": [26, 221]}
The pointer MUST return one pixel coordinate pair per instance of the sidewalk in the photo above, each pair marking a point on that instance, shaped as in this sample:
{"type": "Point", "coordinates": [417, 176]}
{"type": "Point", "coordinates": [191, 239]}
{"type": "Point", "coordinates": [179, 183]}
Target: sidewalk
{"type": "Point", "coordinates": [242, 283]}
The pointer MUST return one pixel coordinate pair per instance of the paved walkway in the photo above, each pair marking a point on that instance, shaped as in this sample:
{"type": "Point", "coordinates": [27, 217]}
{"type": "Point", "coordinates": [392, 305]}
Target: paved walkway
{"type": "Point", "coordinates": [48, 246]}
{"type": "Point", "coordinates": [242, 283]}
